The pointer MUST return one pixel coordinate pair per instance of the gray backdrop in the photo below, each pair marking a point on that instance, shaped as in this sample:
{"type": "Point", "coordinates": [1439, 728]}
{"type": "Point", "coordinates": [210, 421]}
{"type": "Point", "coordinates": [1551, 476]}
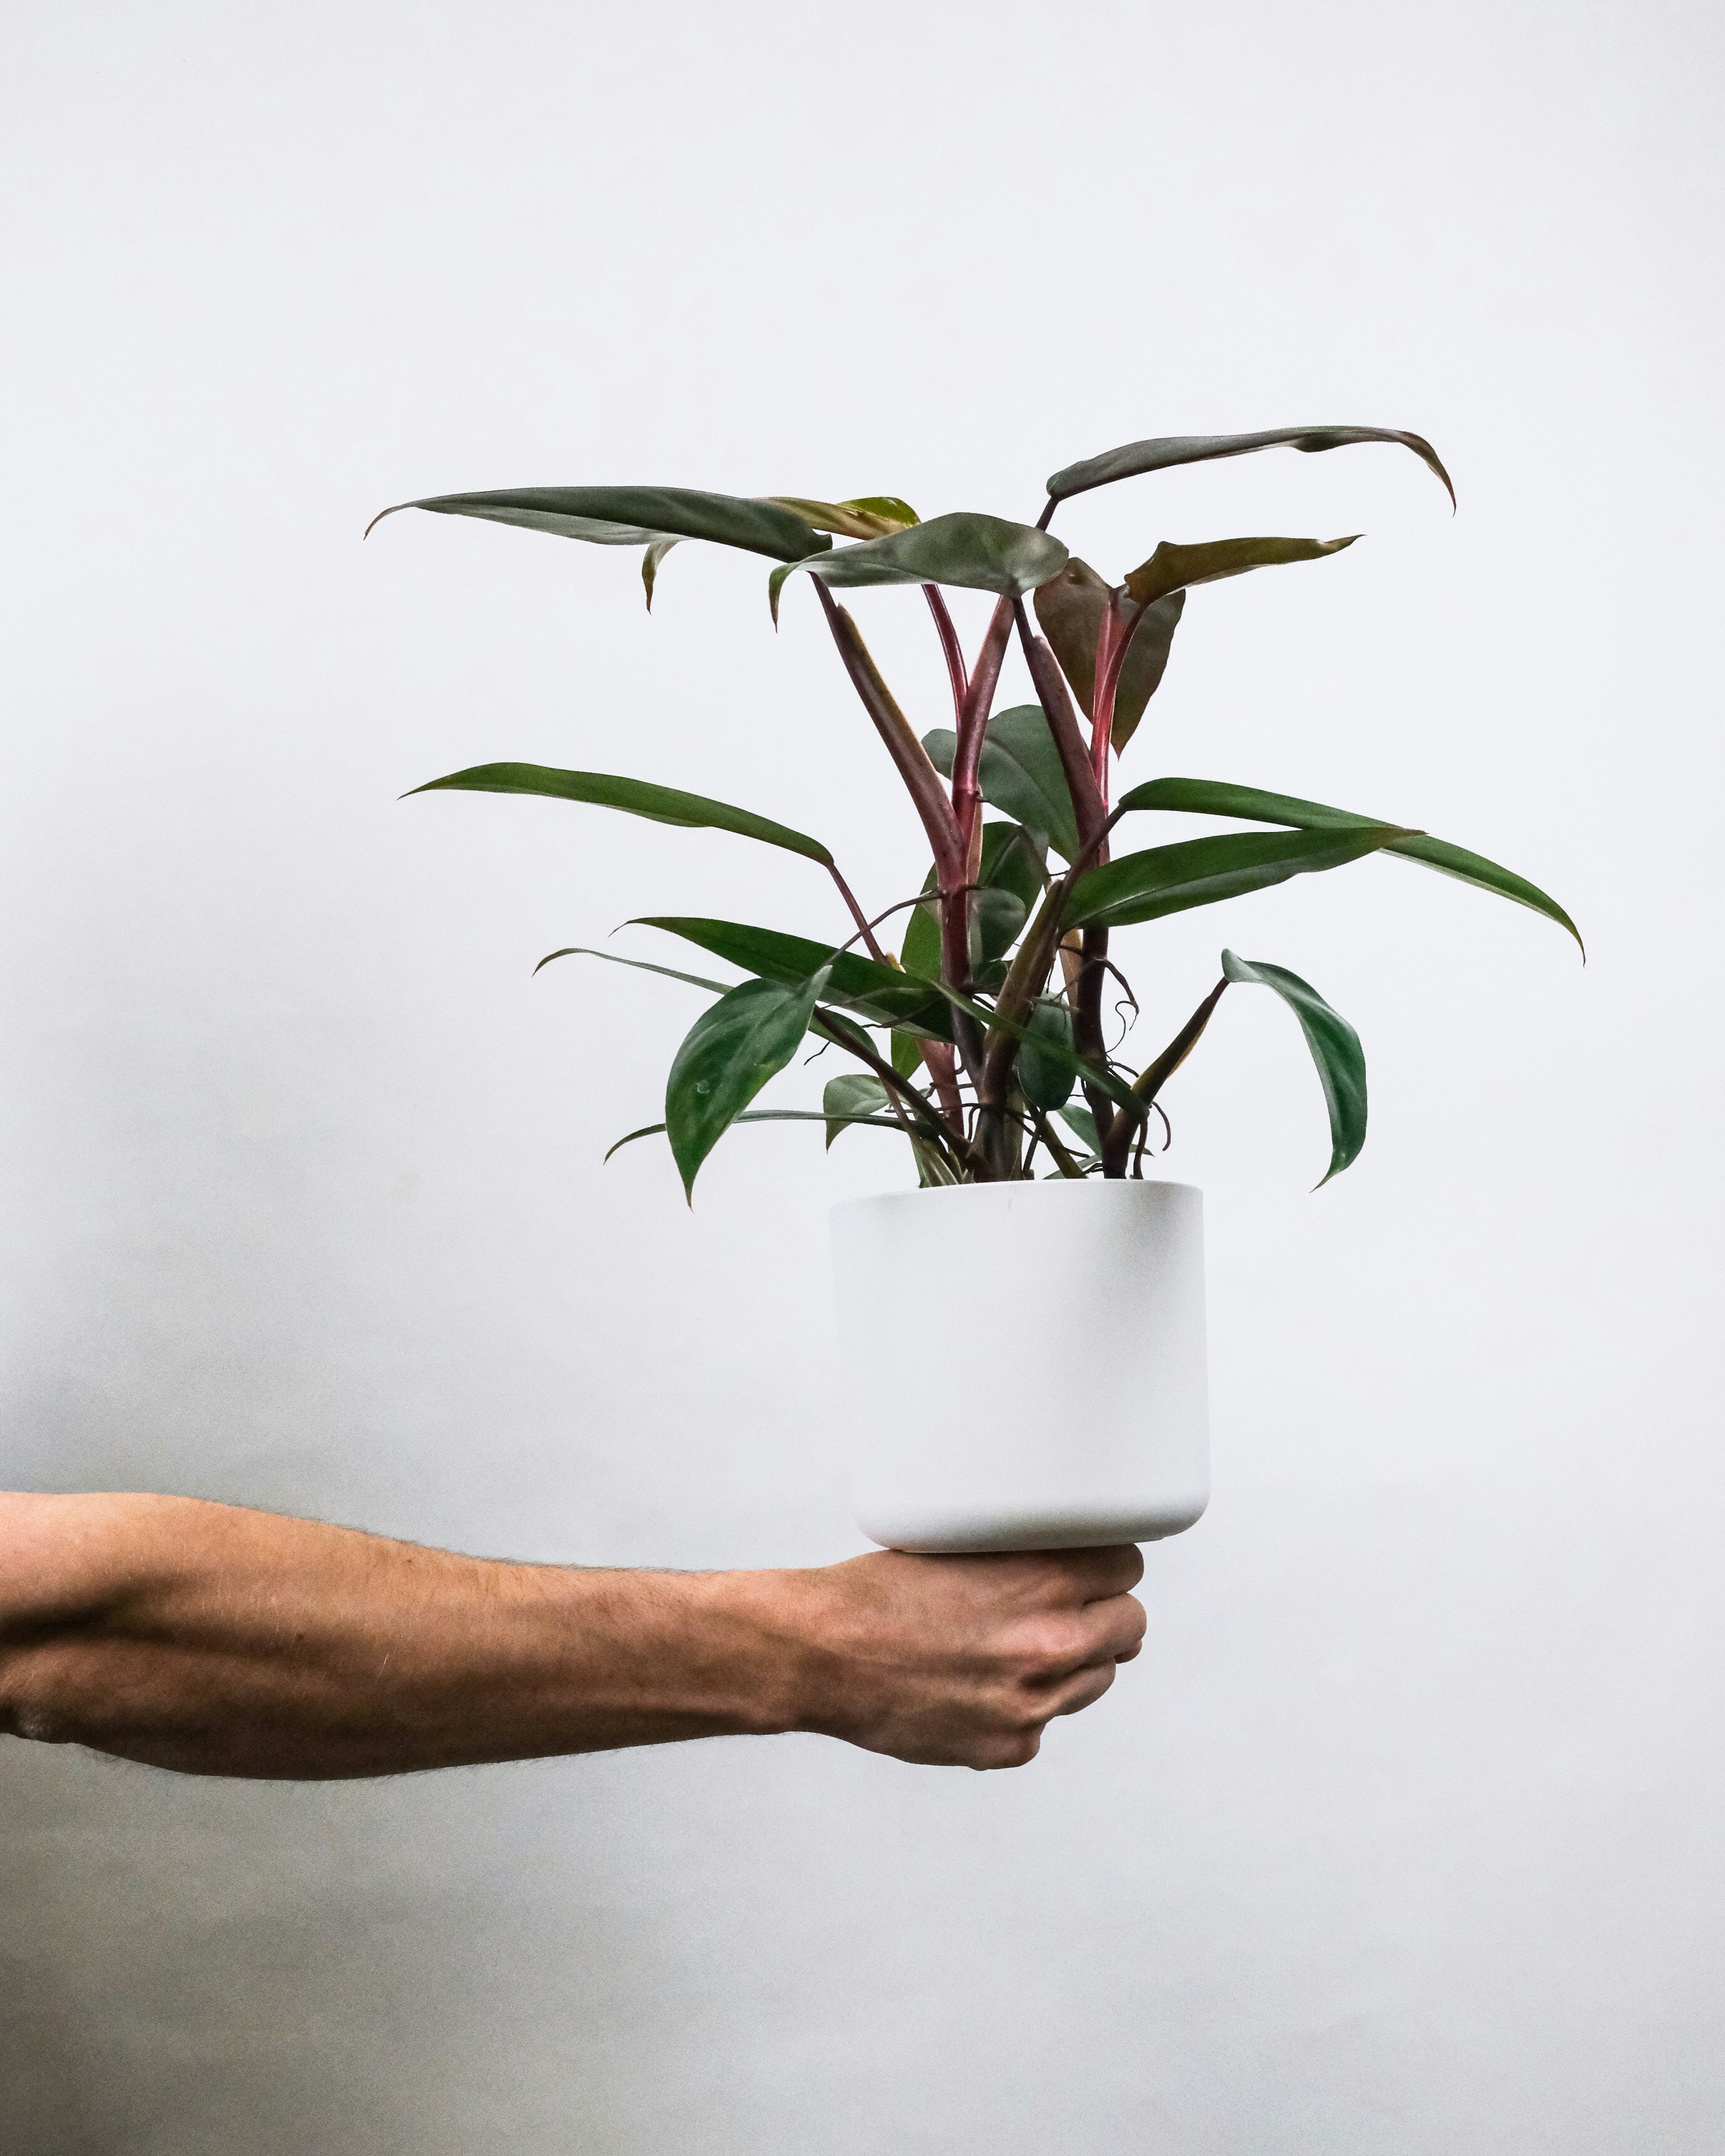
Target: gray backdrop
{"type": "Point", "coordinates": [1403, 1836]}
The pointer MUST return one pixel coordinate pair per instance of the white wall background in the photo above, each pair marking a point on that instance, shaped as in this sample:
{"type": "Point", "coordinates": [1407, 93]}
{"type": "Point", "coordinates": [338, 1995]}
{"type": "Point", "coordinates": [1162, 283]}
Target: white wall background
{"type": "Point", "coordinates": [1403, 1835]}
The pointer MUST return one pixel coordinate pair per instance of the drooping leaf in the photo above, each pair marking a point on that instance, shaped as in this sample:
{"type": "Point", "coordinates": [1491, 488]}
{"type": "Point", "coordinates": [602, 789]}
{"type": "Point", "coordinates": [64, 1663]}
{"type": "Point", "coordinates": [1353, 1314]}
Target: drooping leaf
{"type": "Point", "coordinates": [650, 562]}
{"type": "Point", "coordinates": [1162, 451]}
{"type": "Point", "coordinates": [1335, 1047]}
{"type": "Point", "coordinates": [641, 966]}
{"type": "Point", "coordinates": [1207, 797]}
{"type": "Point", "coordinates": [873, 517]}
{"type": "Point", "coordinates": [878, 992]}
{"type": "Point", "coordinates": [729, 1054]}
{"type": "Point", "coordinates": [1069, 610]}
{"type": "Point", "coordinates": [1019, 773]}
{"type": "Point", "coordinates": [1173, 568]}
{"type": "Point", "coordinates": [1043, 1082]}
{"type": "Point", "coordinates": [853, 1095]}
{"type": "Point", "coordinates": [975, 552]}
{"type": "Point", "coordinates": [635, 516]}
{"type": "Point", "coordinates": [906, 1057]}
{"type": "Point", "coordinates": [1203, 871]}
{"type": "Point", "coordinates": [635, 797]}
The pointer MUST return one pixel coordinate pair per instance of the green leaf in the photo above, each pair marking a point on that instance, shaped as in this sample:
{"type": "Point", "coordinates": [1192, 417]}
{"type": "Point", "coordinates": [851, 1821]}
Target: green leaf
{"type": "Point", "coordinates": [854, 1095]}
{"type": "Point", "coordinates": [920, 950]}
{"type": "Point", "coordinates": [729, 1054]}
{"type": "Point", "coordinates": [635, 516]}
{"type": "Point", "coordinates": [1042, 1081]}
{"type": "Point", "coordinates": [907, 1058]}
{"type": "Point", "coordinates": [635, 797]}
{"type": "Point", "coordinates": [1069, 611]}
{"type": "Point", "coordinates": [1207, 797]}
{"type": "Point", "coordinates": [1014, 860]}
{"type": "Point", "coordinates": [1083, 1124]}
{"type": "Point", "coordinates": [1163, 450]}
{"type": "Point", "coordinates": [976, 552]}
{"type": "Point", "coordinates": [1202, 871]}
{"type": "Point", "coordinates": [996, 917]}
{"type": "Point", "coordinates": [878, 992]}
{"type": "Point", "coordinates": [873, 517]}
{"type": "Point", "coordinates": [641, 966]}
{"type": "Point", "coordinates": [1019, 773]}
{"type": "Point", "coordinates": [1335, 1047]}
{"type": "Point", "coordinates": [1173, 568]}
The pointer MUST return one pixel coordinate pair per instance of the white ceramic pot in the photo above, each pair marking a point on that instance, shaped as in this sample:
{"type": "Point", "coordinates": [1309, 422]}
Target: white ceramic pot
{"type": "Point", "coordinates": [1025, 1362]}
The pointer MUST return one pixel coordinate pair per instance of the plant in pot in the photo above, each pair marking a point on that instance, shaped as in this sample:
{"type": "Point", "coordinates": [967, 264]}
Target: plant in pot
{"type": "Point", "coordinates": [980, 1040]}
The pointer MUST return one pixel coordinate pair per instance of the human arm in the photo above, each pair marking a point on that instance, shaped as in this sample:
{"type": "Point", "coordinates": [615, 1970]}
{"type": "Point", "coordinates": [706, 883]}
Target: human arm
{"type": "Point", "coordinates": [216, 1641]}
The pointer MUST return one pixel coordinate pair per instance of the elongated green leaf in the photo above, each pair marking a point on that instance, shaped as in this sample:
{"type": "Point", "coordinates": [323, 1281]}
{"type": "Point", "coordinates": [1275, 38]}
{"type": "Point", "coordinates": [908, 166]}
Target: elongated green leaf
{"type": "Point", "coordinates": [635, 797]}
{"type": "Point", "coordinates": [880, 993]}
{"type": "Point", "coordinates": [1335, 1047]}
{"type": "Point", "coordinates": [1163, 450]}
{"type": "Point", "coordinates": [873, 517]}
{"type": "Point", "coordinates": [907, 1058]}
{"type": "Point", "coordinates": [729, 1054]}
{"type": "Point", "coordinates": [641, 966]}
{"type": "Point", "coordinates": [1208, 796]}
{"type": "Point", "coordinates": [976, 552]}
{"type": "Point", "coordinates": [1043, 1082]}
{"type": "Point", "coordinates": [635, 516]}
{"type": "Point", "coordinates": [855, 1096]}
{"type": "Point", "coordinates": [1173, 568]}
{"type": "Point", "coordinates": [1203, 871]}
{"type": "Point", "coordinates": [769, 1115]}
{"type": "Point", "coordinates": [1069, 611]}
{"type": "Point", "coordinates": [1019, 773]}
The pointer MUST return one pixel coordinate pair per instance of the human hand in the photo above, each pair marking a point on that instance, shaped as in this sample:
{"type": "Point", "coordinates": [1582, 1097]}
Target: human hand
{"type": "Point", "coordinates": [964, 1661]}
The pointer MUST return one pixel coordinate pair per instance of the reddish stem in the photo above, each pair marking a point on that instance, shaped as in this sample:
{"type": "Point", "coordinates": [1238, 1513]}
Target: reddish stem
{"type": "Point", "coordinates": [973, 719]}
{"type": "Point", "coordinates": [865, 926]}
{"type": "Point", "coordinates": [921, 779]}
{"type": "Point", "coordinates": [951, 645]}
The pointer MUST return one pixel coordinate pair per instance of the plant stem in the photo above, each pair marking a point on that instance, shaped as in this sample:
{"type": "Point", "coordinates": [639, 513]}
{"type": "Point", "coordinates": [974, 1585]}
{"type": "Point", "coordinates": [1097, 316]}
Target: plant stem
{"type": "Point", "coordinates": [1062, 1158]}
{"type": "Point", "coordinates": [864, 925]}
{"type": "Point", "coordinates": [973, 719]}
{"type": "Point", "coordinates": [921, 779]}
{"type": "Point", "coordinates": [951, 645]}
{"type": "Point", "coordinates": [1117, 1137]}
{"type": "Point", "coordinates": [1089, 807]}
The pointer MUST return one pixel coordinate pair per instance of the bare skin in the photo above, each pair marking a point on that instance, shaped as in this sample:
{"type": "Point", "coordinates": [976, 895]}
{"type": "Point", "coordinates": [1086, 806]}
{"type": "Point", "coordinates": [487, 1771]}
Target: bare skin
{"type": "Point", "coordinates": [214, 1640]}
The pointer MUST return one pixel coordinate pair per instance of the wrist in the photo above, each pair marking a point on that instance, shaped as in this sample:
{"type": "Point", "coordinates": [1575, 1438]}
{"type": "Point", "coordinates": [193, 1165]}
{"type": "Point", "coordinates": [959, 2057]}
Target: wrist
{"type": "Point", "coordinates": [763, 1630]}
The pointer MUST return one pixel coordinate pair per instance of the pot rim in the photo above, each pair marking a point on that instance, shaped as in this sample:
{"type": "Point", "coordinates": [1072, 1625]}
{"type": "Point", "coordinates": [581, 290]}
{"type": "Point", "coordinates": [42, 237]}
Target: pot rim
{"type": "Point", "coordinates": [1142, 1186]}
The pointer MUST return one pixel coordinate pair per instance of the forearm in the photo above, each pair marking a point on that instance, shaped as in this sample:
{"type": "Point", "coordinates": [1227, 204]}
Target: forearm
{"type": "Point", "coordinates": [220, 1641]}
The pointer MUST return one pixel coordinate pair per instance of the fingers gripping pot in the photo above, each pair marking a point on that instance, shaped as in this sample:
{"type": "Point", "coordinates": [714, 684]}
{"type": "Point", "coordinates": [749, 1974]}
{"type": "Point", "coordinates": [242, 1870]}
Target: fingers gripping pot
{"type": "Point", "coordinates": [1047, 1340]}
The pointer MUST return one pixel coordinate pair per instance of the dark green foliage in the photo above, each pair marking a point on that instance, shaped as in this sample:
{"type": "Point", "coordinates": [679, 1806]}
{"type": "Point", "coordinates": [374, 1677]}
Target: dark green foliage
{"type": "Point", "coordinates": [975, 1042]}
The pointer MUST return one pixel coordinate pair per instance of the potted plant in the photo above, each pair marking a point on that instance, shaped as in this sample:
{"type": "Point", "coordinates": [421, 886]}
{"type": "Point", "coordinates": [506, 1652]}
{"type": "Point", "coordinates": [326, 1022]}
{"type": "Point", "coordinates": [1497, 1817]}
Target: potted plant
{"type": "Point", "coordinates": [980, 1041]}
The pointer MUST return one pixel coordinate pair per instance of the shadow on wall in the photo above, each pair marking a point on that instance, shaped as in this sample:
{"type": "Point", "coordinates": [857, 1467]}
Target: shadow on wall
{"type": "Point", "coordinates": [214, 1968]}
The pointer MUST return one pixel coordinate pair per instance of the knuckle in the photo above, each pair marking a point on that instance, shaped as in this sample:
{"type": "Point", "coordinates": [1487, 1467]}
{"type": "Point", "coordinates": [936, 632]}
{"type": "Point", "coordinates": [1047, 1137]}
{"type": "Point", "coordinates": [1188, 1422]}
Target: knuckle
{"type": "Point", "coordinates": [1046, 1644]}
